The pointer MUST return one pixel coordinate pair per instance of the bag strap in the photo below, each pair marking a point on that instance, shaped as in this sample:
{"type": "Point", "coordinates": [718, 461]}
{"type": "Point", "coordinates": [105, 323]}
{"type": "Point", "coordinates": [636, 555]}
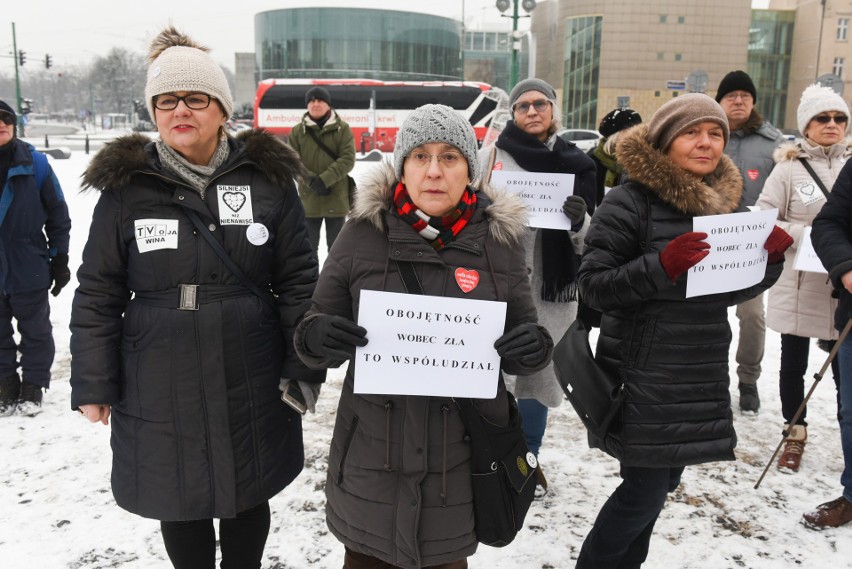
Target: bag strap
{"type": "Point", "coordinates": [409, 277]}
{"type": "Point", "coordinates": [223, 255]}
{"type": "Point", "coordinates": [320, 143]}
{"type": "Point", "coordinates": [491, 159]}
{"type": "Point", "coordinates": [813, 174]}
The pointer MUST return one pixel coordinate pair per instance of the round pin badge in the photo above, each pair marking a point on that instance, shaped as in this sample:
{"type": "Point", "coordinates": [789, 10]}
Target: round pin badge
{"type": "Point", "coordinates": [531, 460]}
{"type": "Point", "coordinates": [257, 234]}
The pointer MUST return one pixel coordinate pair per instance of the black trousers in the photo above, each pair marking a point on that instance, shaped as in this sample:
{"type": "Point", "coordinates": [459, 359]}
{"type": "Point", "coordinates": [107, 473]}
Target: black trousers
{"type": "Point", "coordinates": [32, 311]}
{"type": "Point", "coordinates": [333, 225]}
{"type": "Point", "coordinates": [192, 545]}
{"type": "Point", "coordinates": [791, 384]}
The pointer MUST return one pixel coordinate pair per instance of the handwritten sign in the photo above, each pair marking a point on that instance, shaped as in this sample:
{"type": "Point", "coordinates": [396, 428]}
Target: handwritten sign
{"type": "Point", "coordinates": [428, 345]}
{"type": "Point", "coordinates": [806, 257]}
{"type": "Point", "coordinates": [543, 194]}
{"type": "Point", "coordinates": [737, 259]}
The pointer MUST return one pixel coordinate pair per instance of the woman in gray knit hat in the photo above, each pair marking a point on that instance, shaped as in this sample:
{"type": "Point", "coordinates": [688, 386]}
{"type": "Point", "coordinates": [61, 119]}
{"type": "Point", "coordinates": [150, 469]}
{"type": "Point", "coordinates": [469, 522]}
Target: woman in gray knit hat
{"type": "Point", "coordinates": [529, 143]}
{"type": "Point", "coordinates": [671, 352]}
{"type": "Point", "coordinates": [182, 353]}
{"type": "Point", "coordinates": [399, 469]}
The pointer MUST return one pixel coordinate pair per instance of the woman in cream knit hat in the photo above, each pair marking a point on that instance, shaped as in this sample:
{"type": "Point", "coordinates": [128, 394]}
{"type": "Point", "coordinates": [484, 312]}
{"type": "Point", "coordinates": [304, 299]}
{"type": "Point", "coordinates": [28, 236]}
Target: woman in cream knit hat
{"type": "Point", "coordinates": [181, 352]}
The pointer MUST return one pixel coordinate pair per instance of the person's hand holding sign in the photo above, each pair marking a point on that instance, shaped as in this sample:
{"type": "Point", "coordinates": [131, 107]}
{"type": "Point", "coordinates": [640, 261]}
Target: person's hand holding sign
{"type": "Point", "coordinates": [776, 244]}
{"type": "Point", "coordinates": [684, 252]}
{"type": "Point", "coordinates": [529, 344]}
{"type": "Point", "coordinates": [334, 337]}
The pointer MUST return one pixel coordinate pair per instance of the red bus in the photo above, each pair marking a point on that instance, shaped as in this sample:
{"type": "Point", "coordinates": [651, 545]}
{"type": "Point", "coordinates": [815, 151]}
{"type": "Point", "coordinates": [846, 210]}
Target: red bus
{"type": "Point", "coordinates": [374, 109]}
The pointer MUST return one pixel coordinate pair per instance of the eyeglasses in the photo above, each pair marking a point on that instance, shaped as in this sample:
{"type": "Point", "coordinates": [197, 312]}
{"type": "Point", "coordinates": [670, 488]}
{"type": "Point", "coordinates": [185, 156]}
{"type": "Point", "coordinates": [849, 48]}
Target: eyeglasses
{"type": "Point", "coordinates": [734, 95]}
{"type": "Point", "coordinates": [825, 119]}
{"type": "Point", "coordinates": [446, 160]}
{"type": "Point", "coordinates": [523, 108]}
{"type": "Point", "coordinates": [194, 101]}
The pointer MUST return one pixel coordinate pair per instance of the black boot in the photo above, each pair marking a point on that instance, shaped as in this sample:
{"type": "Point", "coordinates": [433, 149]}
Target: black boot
{"type": "Point", "coordinates": [29, 403]}
{"type": "Point", "coordinates": [10, 388]}
{"type": "Point", "coordinates": [749, 399]}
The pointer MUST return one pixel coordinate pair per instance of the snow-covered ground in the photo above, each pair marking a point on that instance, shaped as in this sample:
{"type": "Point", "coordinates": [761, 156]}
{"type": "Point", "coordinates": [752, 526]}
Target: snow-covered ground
{"type": "Point", "coordinates": [57, 511]}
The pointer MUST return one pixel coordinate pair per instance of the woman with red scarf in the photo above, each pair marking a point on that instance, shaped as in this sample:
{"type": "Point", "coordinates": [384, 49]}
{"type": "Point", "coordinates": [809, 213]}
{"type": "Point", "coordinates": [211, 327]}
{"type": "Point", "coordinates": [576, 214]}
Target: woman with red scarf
{"type": "Point", "coordinates": [398, 489]}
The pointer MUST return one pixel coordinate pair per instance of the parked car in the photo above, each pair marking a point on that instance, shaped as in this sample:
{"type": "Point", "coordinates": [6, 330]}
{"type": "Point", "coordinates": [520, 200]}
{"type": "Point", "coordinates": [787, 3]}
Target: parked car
{"type": "Point", "coordinates": [585, 139]}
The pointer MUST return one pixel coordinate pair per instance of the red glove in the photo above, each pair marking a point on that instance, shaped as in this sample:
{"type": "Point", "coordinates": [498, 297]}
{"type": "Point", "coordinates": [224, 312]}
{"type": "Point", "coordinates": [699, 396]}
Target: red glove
{"type": "Point", "coordinates": [683, 252]}
{"type": "Point", "coordinates": [777, 242]}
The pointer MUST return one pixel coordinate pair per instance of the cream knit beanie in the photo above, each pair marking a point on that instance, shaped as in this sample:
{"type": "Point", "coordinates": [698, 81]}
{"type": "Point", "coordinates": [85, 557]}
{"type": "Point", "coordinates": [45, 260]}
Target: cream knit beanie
{"type": "Point", "coordinates": [177, 63]}
{"type": "Point", "coordinates": [817, 99]}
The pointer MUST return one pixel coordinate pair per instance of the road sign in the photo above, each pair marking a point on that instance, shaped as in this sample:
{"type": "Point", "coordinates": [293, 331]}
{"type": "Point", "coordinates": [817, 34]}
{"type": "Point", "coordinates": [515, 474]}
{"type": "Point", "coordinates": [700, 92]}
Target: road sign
{"type": "Point", "coordinates": [676, 85]}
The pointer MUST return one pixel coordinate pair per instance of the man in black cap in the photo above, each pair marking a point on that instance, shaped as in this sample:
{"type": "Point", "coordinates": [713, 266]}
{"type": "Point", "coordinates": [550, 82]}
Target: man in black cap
{"type": "Point", "coordinates": [752, 142]}
{"type": "Point", "coordinates": [32, 206]}
{"type": "Point", "coordinates": [327, 147]}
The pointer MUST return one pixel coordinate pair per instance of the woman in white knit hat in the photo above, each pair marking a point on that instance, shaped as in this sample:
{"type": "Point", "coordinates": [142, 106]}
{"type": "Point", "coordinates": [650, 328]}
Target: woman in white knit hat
{"type": "Point", "coordinates": [183, 346]}
{"type": "Point", "coordinates": [800, 305]}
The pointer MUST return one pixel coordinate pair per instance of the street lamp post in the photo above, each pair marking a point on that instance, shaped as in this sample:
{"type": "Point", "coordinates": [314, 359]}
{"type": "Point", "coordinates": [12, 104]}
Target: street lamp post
{"type": "Point", "coordinates": [528, 6]}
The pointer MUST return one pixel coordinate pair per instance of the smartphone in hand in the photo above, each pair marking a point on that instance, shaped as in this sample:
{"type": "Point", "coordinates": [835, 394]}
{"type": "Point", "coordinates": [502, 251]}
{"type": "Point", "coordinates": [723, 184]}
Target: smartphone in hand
{"type": "Point", "coordinates": [292, 396]}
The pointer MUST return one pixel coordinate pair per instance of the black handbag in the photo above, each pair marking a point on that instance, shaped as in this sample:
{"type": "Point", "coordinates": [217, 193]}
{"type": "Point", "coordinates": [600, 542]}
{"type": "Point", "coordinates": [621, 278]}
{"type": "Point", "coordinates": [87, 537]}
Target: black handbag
{"type": "Point", "coordinates": [503, 470]}
{"type": "Point", "coordinates": [595, 395]}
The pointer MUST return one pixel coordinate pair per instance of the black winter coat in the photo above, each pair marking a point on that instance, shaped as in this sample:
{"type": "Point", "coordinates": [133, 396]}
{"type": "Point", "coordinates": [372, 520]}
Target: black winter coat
{"type": "Point", "coordinates": [832, 239]}
{"type": "Point", "coordinates": [198, 426]}
{"type": "Point", "coordinates": [670, 351]}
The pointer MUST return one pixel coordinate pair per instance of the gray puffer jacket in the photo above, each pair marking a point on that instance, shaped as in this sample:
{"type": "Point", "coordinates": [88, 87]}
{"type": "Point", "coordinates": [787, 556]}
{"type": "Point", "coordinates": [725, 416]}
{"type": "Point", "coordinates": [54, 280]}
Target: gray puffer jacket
{"type": "Point", "coordinates": [398, 483]}
{"type": "Point", "coordinates": [751, 149]}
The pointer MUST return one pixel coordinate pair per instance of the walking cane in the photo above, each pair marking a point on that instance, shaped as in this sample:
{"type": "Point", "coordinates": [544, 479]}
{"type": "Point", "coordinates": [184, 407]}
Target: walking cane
{"type": "Point", "coordinates": [801, 409]}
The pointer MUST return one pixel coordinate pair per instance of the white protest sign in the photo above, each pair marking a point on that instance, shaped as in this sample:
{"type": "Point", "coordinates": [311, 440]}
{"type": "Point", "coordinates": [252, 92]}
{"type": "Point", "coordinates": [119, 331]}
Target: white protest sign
{"type": "Point", "coordinates": [542, 193]}
{"type": "Point", "coordinates": [806, 257]}
{"type": "Point", "coordinates": [428, 345]}
{"type": "Point", "coordinates": [737, 259]}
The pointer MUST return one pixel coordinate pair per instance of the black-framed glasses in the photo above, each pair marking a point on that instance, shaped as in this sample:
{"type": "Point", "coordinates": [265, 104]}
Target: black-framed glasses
{"type": "Point", "coordinates": [825, 119]}
{"type": "Point", "coordinates": [194, 101]}
{"type": "Point", "coordinates": [446, 160]}
{"type": "Point", "coordinates": [523, 108]}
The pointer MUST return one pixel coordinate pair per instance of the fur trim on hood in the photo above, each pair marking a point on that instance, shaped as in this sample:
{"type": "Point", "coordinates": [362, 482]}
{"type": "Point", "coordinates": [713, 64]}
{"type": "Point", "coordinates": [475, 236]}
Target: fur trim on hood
{"type": "Point", "coordinates": [789, 151]}
{"type": "Point", "coordinates": [506, 213]}
{"type": "Point", "coordinates": [117, 162]}
{"type": "Point", "coordinates": [719, 192]}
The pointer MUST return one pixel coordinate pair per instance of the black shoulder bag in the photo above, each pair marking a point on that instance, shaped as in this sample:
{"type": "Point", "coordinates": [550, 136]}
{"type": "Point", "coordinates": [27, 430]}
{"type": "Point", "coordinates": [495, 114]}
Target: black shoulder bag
{"type": "Point", "coordinates": [813, 174]}
{"type": "Point", "coordinates": [503, 470]}
{"type": "Point", "coordinates": [349, 179]}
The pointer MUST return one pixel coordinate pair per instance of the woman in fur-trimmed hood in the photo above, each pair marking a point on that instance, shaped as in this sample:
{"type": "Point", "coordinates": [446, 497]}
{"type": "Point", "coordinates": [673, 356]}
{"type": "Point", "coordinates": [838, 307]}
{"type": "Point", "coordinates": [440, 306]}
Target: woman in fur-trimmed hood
{"type": "Point", "coordinates": [670, 352]}
{"type": "Point", "coordinates": [183, 356]}
{"type": "Point", "coordinates": [399, 489]}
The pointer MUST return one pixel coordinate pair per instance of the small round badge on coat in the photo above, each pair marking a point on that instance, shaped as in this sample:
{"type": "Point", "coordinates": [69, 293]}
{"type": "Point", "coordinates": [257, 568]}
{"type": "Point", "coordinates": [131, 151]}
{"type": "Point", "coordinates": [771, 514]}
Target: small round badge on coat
{"type": "Point", "coordinates": [257, 234]}
{"type": "Point", "coordinates": [531, 460]}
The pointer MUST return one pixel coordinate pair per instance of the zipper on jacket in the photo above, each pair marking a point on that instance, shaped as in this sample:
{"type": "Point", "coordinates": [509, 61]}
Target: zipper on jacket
{"type": "Point", "coordinates": [445, 411]}
{"type": "Point", "coordinates": [346, 446]}
{"type": "Point", "coordinates": [388, 409]}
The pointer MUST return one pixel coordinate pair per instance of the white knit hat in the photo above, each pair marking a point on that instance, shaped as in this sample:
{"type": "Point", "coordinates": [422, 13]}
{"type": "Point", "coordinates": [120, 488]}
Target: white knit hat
{"type": "Point", "coordinates": [177, 63]}
{"type": "Point", "coordinates": [817, 99]}
{"type": "Point", "coordinates": [436, 123]}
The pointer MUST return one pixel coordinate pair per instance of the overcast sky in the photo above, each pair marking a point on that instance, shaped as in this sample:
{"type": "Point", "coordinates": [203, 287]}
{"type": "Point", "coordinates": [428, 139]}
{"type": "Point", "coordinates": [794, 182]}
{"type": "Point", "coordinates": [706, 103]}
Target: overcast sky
{"type": "Point", "coordinates": [75, 31]}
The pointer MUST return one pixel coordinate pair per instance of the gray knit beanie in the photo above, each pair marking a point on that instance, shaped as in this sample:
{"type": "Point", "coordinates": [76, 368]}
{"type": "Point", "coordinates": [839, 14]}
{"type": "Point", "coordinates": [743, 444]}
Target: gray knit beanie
{"type": "Point", "coordinates": [818, 99]}
{"type": "Point", "coordinates": [681, 113]}
{"type": "Point", "coordinates": [531, 85]}
{"type": "Point", "coordinates": [178, 63]}
{"type": "Point", "coordinates": [436, 123]}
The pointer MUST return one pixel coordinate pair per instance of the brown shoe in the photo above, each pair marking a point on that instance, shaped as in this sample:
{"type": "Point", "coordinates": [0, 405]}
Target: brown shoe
{"type": "Point", "coordinates": [829, 515]}
{"type": "Point", "coordinates": [793, 448]}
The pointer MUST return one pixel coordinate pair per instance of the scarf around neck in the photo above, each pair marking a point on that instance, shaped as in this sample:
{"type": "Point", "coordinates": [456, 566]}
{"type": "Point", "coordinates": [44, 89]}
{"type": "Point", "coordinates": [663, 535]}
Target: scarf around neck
{"type": "Point", "coordinates": [438, 231]}
{"type": "Point", "coordinates": [559, 262]}
{"type": "Point", "coordinates": [197, 177]}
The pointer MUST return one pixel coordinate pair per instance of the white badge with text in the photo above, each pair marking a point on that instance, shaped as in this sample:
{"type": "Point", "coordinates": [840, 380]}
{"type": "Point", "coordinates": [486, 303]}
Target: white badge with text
{"type": "Point", "coordinates": [737, 258]}
{"type": "Point", "coordinates": [543, 195]}
{"type": "Point", "coordinates": [428, 345]}
{"type": "Point", "coordinates": [809, 192]}
{"type": "Point", "coordinates": [234, 205]}
{"type": "Point", "coordinates": [155, 234]}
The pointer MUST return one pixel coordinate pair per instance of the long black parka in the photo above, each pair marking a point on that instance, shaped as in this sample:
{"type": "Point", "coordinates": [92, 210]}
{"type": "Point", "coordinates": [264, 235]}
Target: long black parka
{"type": "Point", "coordinates": [671, 352]}
{"type": "Point", "coordinates": [198, 427]}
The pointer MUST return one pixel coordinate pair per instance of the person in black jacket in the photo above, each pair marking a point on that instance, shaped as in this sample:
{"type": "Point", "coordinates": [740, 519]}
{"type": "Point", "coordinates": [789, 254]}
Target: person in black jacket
{"type": "Point", "coordinates": [182, 351]}
{"type": "Point", "coordinates": [608, 171]}
{"type": "Point", "coordinates": [832, 240]}
{"type": "Point", "coordinates": [670, 351]}
{"type": "Point", "coordinates": [34, 235]}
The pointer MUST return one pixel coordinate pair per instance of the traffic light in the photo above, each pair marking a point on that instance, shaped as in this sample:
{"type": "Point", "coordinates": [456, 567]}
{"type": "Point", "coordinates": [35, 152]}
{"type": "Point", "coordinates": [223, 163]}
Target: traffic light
{"type": "Point", "coordinates": [48, 61]}
{"type": "Point", "coordinates": [22, 57]}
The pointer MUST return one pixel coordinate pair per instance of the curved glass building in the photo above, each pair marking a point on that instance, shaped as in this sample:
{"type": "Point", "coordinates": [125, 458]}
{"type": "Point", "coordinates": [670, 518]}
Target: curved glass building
{"type": "Point", "coordinates": [328, 43]}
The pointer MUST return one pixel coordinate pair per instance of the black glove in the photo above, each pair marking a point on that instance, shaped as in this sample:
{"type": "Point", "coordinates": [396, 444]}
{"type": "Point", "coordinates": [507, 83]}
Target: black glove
{"type": "Point", "coordinates": [334, 337]}
{"type": "Point", "coordinates": [575, 209]}
{"type": "Point", "coordinates": [529, 344]}
{"type": "Point", "coordinates": [318, 187]}
{"type": "Point", "coordinates": [59, 273]}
